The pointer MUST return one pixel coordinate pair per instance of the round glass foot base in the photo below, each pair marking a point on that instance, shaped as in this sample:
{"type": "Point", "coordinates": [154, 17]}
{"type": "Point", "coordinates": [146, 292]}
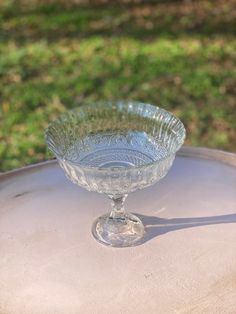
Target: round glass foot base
{"type": "Point", "coordinates": [123, 231]}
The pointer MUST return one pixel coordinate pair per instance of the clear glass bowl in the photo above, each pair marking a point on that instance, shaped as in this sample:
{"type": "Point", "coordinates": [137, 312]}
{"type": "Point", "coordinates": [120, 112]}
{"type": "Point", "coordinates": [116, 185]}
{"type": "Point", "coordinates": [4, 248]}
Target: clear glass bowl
{"type": "Point", "coordinates": [116, 148]}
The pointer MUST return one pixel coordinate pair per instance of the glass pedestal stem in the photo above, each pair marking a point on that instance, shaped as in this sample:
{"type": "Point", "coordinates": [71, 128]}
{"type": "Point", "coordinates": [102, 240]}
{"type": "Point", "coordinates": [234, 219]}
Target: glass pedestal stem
{"type": "Point", "coordinates": [117, 206]}
{"type": "Point", "coordinates": [118, 228]}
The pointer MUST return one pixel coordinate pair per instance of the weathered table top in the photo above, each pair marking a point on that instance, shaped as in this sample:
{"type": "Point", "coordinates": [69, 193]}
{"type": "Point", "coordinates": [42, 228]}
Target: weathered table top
{"type": "Point", "coordinates": [50, 263]}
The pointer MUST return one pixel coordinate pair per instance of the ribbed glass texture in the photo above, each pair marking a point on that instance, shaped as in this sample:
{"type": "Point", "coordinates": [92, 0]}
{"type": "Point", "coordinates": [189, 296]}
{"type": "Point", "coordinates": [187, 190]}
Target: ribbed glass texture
{"type": "Point", "coordinates": [115, 147]}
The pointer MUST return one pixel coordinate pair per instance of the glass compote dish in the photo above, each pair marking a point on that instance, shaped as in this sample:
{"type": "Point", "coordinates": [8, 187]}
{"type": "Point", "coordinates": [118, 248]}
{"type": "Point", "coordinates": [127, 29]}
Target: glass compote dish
{"type": "Point", "coordinates": [116, 148]}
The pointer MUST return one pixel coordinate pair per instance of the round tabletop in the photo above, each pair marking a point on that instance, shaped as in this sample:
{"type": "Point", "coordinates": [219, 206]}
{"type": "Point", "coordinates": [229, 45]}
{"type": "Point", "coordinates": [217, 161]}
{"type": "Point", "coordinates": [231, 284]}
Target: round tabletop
{"type": "Point", "coordinates": [51, 264]}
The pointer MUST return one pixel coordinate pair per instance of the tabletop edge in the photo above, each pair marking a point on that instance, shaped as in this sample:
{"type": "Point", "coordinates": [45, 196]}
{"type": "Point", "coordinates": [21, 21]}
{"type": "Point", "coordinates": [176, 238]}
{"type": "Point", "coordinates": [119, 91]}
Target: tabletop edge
{"type": "Point", "coordinates": [228, 158]}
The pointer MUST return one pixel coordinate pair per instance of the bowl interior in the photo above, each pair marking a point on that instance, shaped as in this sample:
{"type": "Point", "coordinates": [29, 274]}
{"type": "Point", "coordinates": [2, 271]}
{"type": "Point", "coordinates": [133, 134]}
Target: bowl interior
{"type": "Point", "coordinates": [115, 135]}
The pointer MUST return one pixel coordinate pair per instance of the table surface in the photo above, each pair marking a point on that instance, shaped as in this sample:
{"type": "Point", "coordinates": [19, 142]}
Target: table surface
{"type": "Point", "coordinates": [50, 262]}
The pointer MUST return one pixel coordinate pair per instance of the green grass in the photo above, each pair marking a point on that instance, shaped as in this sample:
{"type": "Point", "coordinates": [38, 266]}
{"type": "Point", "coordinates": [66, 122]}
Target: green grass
{"type": "Point", "coordinates": [177, 55]}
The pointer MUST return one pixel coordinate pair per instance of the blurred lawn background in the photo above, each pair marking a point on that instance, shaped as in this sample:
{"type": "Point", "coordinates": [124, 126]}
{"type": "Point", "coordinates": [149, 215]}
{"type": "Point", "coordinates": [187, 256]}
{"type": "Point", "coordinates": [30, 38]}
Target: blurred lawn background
{"type": "Point", "coordinates": [54, 55]}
